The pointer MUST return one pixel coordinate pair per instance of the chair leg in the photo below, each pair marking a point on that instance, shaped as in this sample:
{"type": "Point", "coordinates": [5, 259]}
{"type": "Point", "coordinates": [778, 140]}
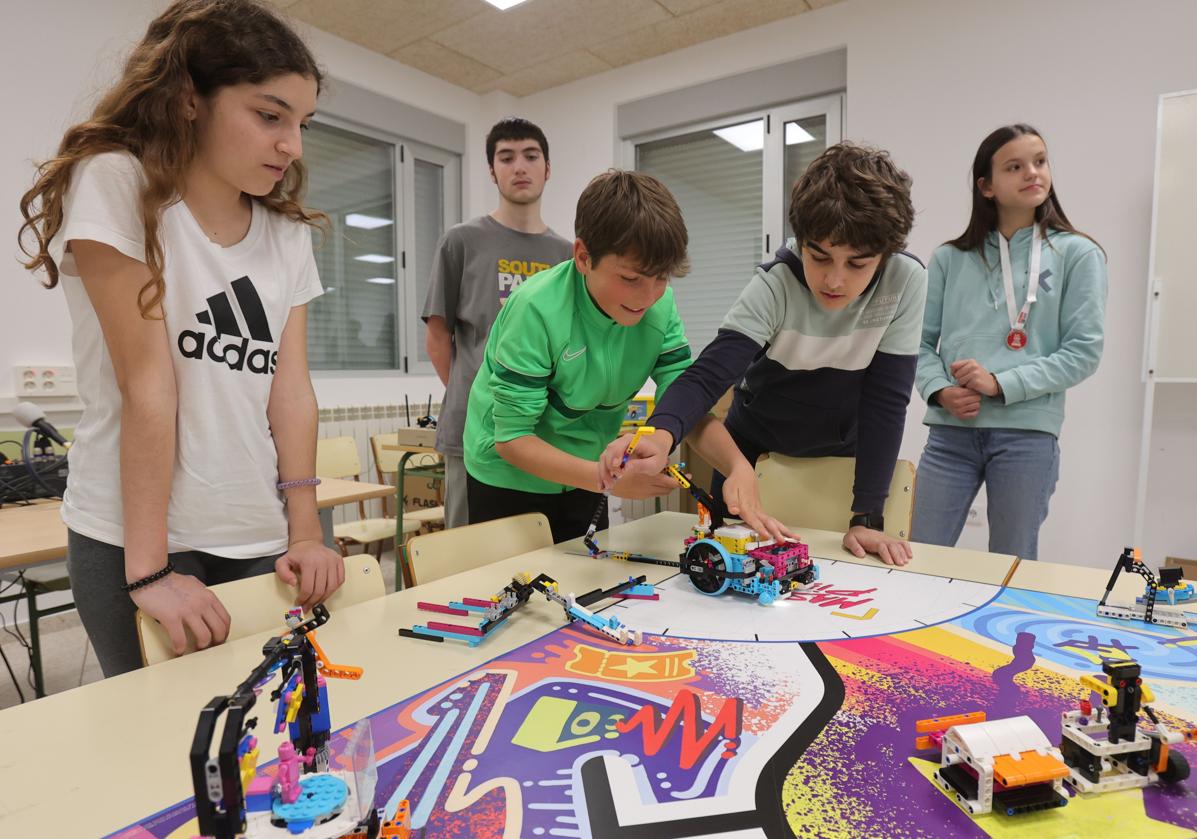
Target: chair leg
{"type": "Point", "coordinates": [402, 568]}
{"type": "Point", "coordinates": [83, 664]}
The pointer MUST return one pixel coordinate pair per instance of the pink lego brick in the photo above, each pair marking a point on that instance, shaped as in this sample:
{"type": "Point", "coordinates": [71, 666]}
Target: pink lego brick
{"type": "Point", "coordinates": [436, 607]}
{"type": "Point", "coordinates": [452, 627]}
{"type": "Point", "coordinates": [474, 601]}
{"type": "Point", "coordinates": [260, 784]}
{"type": "Point", "coordinates": [638, 596]}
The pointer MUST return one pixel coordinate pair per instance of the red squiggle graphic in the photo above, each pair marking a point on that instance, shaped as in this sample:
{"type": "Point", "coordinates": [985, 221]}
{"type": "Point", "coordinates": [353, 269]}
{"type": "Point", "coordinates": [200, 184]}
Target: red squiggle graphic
{"type": "Point", "coordinates": [695, 742]}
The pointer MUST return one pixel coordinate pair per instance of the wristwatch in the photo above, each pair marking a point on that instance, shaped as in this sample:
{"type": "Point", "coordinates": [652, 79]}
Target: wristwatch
{"type": "Point", "coordinates": [873, 521]}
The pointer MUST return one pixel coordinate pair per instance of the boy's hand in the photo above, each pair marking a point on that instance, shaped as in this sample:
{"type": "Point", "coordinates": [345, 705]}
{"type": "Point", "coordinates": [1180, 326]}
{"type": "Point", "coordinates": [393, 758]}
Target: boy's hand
{"type": "Point", "coordinates": [860, 540]}
{"type": "Point", "coordinates": [960, 402]}
{"type": "Point", "coordinates": [743, 500]}
{"type": "Point", "coordinates": [637, 486]}
{"type": "Point", "coordinates": [314, 567]}
{"type": "Point", "coordinates": [650, 456]}
{"type": "Point", "coordinates": [970, 374]}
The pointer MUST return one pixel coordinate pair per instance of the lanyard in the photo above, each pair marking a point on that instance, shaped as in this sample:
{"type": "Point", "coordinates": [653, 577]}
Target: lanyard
{"type": "Point", "coordinates": [1017, 339]}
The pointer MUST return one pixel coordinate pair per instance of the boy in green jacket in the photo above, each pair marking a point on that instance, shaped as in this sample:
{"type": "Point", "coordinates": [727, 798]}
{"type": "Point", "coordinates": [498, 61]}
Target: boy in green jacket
{"type": "Point", "coordinates": [569, 350]}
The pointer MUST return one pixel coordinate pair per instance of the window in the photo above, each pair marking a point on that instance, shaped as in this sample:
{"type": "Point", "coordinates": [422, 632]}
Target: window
{"type": "Point", "coordinates": [732, 180]}
{"type": "Point", "coordinates": [435, 177]}
{"type": "Point", "coordinates": [716, 177]}
{"type": "Point", "coordinates": [389, 201]}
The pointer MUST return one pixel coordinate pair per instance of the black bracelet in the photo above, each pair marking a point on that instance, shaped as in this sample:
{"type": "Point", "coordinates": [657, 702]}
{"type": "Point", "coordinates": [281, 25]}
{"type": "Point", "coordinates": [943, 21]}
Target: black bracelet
{"type": "Point", "coordinates": [153, 578]}
{"type": "Point", "coordinates": [873, 521]}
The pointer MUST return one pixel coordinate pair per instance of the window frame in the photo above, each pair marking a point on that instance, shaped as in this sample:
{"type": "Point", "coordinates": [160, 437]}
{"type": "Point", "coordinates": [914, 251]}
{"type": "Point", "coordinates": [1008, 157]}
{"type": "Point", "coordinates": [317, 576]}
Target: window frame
{"type": "Point", "coordinates": [404, 153]}
{"type": "Point", "coordinates": [774, 192]}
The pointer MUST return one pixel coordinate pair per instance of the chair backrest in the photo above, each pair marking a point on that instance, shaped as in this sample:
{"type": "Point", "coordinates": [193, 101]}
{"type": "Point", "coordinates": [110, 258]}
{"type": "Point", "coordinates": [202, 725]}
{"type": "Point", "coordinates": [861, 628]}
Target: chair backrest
{"type": "Point", "coordinates": [446, 552]}
{"type": "Point", "coordinates": [816, 492]}
{"type": "Point", "coordinates": [257, 604]}
{"type": "Point", "coordinates": [336, 457]}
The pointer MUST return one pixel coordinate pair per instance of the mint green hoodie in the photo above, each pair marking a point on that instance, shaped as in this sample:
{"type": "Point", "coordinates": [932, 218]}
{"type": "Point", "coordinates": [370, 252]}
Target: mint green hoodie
{"type": "Point", "coordinates": [966, 318]}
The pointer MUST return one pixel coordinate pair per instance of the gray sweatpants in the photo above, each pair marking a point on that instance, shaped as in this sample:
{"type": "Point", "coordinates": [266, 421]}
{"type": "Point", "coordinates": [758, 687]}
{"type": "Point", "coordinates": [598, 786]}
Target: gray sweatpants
{"type": "Point", "coordinates": [97, 572]}
{"type": "Point", "coordinates": [457, 510]}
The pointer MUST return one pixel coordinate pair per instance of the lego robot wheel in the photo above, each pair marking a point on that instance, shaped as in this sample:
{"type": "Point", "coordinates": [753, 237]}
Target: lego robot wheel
{"type": "Point", "coordinates": [1177, 769]}
{"type": "Point", "coordinates": [712, 579]}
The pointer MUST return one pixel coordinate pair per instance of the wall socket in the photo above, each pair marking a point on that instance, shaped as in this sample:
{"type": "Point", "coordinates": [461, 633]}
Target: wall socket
{"type": "Point", "coordinates": [976, 516]}
{"type": "Point", "coordinates": [33, 380]}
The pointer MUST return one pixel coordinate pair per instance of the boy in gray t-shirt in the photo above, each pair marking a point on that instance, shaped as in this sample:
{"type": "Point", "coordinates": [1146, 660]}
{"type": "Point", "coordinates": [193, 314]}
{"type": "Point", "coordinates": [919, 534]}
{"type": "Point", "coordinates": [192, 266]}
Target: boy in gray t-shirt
{"type": "Point", "coordinates": [478, 264]}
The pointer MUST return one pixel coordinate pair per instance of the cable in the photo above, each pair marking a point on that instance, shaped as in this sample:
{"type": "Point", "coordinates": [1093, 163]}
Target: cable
{"type": "Point", "coordinates": [27, 450]}
{"type": "Point", "coordinates": [17, 489]}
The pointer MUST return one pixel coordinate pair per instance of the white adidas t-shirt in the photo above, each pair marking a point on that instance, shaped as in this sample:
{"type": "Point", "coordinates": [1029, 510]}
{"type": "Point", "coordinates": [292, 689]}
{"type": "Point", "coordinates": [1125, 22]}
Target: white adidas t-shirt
{"type": "Point", "coordinates": [225, 309]}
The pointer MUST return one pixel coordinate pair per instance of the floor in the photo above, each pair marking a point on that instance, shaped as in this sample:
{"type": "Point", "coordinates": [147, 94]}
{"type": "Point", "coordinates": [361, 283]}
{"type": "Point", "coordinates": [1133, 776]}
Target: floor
{"type": "Point", "coordinates": [67, 658]}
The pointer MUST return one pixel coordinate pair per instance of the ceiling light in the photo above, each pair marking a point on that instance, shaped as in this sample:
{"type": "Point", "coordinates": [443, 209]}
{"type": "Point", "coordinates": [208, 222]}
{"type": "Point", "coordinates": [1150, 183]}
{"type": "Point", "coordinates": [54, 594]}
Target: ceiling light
{"type": "Point", "coordinates": [382, 280]}
{"type": "Point", "coordinates": [376, 258]}
{"type": "Point", "coordinates": [747, 136]}
{"type": "Point", "coordinates": [366, 222]}
{"type": "Point", "coordinates": [504, 5]}
{"type": "Point", "coordinates": [796, 134]}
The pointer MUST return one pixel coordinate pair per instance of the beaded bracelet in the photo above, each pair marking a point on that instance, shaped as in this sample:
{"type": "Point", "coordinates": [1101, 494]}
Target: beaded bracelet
{"type": "Point", "coordinates": [302, 482]}
{"type": "Point", "coordinates": [153, 578]}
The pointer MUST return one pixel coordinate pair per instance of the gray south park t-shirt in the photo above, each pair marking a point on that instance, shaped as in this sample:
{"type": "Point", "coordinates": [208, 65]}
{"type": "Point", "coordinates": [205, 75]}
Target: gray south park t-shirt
{"type": "Point", "coordinates": [479, 263]}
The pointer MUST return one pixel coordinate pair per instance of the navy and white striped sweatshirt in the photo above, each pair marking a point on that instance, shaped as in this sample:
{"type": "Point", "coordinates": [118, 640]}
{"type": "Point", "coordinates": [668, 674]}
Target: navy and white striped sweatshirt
{"type": "Point", "coordinates": [812, 382]}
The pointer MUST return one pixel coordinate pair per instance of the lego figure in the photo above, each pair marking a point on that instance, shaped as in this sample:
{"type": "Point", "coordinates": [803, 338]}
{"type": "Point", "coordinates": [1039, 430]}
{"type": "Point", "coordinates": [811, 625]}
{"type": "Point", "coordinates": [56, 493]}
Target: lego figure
{"type": "Point", "coordinates": [287, 779]}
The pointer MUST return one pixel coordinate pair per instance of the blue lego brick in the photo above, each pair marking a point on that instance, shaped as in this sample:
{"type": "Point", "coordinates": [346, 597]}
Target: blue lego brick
{"type": "Point", "coordinates": [319, 796]}
{"type": "Point", "coordinates": [467, 607]}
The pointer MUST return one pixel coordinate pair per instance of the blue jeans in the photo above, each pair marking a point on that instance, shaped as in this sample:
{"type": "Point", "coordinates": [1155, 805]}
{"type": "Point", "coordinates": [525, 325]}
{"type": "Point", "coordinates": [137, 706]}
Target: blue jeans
{"type": "Point", "coordinates": [1019, 470]}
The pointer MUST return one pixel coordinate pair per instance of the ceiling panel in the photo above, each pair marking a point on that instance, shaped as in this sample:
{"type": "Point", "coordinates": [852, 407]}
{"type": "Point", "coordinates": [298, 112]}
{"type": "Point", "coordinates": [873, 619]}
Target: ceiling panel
{"type": "Point", "coordinates": [538, 44]}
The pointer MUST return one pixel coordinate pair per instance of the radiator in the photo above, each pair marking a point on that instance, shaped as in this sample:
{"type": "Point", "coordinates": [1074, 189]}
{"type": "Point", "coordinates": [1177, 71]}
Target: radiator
{"type": "Point", "coordinates": [361, 422]}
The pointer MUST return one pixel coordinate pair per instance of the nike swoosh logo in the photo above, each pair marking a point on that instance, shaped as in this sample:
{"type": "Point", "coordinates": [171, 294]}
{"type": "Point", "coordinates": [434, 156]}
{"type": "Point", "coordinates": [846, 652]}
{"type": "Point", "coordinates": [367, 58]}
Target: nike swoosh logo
{"type": "Point", "coordinates": [570, 356]}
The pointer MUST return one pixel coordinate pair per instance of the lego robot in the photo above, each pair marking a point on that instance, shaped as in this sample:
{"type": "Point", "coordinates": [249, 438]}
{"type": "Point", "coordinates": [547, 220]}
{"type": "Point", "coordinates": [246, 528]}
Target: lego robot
{"type": "Point", "coordinates": [1147, 608]}
{"type": "Point", "coordinates": [514, 596]}
{"type": "Point", "coordinates": [1125, 755]}
{"type": "Point", "coordinates": [305, 796]}
{"type": "Point", "coordinates": [721, 557]}
{"type": "Point", "coordinates": [1005, 765]}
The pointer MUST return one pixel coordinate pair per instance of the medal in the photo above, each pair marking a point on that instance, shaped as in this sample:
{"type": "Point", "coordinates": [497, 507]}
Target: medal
{"type": "Point", "coordinates": [1017, 338]}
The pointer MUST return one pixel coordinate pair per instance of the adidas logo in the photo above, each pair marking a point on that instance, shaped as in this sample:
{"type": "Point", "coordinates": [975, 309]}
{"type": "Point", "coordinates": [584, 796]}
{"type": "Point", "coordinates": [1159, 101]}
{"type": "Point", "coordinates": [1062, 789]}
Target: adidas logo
{"type": "Point", "coordinates": [221, 316]}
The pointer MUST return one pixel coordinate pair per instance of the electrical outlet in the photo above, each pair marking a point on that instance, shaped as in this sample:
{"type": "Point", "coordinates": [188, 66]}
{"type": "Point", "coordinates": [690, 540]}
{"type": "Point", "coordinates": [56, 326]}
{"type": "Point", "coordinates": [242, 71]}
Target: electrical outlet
{"type": "Point", "coordinates": [32, 381]}
{"type": "Point", "coordinates": [976, 516]}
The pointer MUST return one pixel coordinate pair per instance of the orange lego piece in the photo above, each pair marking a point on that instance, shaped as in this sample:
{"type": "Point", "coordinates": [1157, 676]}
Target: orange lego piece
{"type": "Point", "coordinates": [944, 723]}
{"type": "Point", "coordinates": [399, 825]}
{"type": "Point", "coordinates": [1030, 768]}
{"type": "Point", "coordinates": [939, 725]}
{"type": "Point", "coordinates": [329, 670]}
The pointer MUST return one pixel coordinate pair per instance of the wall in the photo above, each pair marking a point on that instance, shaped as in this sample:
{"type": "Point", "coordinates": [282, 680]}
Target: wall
{"type": "Point", "coordinates": [74, 50]}
{"type": "Point", "coordinates": [927, 79]}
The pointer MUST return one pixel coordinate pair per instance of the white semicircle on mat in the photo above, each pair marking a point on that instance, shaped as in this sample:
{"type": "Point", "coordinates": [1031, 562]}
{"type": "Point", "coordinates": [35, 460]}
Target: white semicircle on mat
{"type": "Point", "coordinates": [847, 601]}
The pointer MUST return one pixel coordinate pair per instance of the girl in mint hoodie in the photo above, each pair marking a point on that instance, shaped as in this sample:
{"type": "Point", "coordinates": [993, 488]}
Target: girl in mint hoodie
{"type": "Point", "coordinates": [1015, 314]}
